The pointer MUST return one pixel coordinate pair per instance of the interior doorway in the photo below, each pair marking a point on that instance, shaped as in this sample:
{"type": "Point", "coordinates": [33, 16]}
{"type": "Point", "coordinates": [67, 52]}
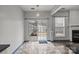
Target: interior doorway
{"type": "Point", "coordinates": [42, 31]}
{"type": "Point", "coordinates": [38, 29]}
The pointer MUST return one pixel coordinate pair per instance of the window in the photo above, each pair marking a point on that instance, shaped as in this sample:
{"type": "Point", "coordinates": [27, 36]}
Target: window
{"type": "Point", "coordinates": [59, 26]}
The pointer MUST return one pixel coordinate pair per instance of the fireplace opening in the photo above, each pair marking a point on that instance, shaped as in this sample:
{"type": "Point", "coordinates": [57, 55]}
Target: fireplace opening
{"type": "Point", "coordinates": [75, 36]}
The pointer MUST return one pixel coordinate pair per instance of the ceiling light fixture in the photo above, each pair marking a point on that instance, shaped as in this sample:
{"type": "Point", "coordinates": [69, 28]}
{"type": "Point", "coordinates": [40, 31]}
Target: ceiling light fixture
{"type": "Point", "coordinates": [37, 14]}
{"type": "Point", "coordinates": [37, 5]}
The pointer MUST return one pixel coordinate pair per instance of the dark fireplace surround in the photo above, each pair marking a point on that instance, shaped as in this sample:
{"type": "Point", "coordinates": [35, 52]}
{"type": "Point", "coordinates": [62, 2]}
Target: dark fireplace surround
{"type": "Point", "coordinates": [75, 36]}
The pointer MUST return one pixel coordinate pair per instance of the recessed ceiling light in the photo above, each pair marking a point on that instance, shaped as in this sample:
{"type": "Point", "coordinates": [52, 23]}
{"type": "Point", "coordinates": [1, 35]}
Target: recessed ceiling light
{"type": "Point", "coordinates": [37, 5]}
{"type": "Point", "coordinates": [63, 8]}
{"type": "Point", "coordinates": [32, 8]}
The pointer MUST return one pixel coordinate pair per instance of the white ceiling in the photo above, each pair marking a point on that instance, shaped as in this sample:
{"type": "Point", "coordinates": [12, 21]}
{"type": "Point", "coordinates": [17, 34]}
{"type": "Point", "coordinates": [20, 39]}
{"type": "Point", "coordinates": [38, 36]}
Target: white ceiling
{"type": "Point", "coordinates": [71, 7]}
{"type": "Point", "coordinates": [49, 7]}
{"type": "Point", "coordinates": [40, 8]}
{"type": "Point", "coordinates": [68, 7]}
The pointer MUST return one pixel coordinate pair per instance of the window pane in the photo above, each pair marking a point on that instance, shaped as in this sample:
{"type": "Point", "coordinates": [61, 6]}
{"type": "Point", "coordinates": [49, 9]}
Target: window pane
{"type": "Point", "coordinates": [59, 26]}
{"type": "Point", "coordinates": [59, 22]}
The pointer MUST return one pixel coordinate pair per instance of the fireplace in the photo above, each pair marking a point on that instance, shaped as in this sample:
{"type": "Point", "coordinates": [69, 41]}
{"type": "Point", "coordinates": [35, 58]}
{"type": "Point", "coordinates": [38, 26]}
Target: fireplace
{"type": "Point", "coordinates": [75, 36]}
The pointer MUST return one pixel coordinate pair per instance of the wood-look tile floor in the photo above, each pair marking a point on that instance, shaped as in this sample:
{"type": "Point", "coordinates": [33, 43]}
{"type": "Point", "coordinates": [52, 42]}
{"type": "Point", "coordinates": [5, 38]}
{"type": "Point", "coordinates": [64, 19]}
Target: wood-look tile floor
{"type": "Point", "coordinates": [37, 48]}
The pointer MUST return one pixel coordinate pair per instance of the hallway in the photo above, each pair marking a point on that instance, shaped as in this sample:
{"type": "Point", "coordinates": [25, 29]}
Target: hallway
{"type": "Point", "coordinates": [43, 48]}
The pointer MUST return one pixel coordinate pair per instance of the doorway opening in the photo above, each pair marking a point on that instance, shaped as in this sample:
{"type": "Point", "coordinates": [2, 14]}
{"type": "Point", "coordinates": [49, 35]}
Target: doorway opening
{"type": "Point", "coordinates": [38, 30]}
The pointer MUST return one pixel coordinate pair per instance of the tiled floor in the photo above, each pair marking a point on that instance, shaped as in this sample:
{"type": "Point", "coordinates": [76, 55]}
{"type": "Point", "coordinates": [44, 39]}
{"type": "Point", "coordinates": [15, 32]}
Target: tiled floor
{"type": "Point", "coordinates": [37, 48]}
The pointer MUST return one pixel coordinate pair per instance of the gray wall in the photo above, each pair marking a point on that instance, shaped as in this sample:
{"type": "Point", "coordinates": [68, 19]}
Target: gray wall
{"type": "Point", "coordinates": [26, 30]}
{"type": "Point", "coordinates": [74, 17]}
{"type": "Point", "coordinates": [66, 15]}
{"type": "Point", "coordinates": [74, 20]}
{"type": "Point", "coordinates": [50, 31]}
{"type": "Point", "coordinates": [11, 27]}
